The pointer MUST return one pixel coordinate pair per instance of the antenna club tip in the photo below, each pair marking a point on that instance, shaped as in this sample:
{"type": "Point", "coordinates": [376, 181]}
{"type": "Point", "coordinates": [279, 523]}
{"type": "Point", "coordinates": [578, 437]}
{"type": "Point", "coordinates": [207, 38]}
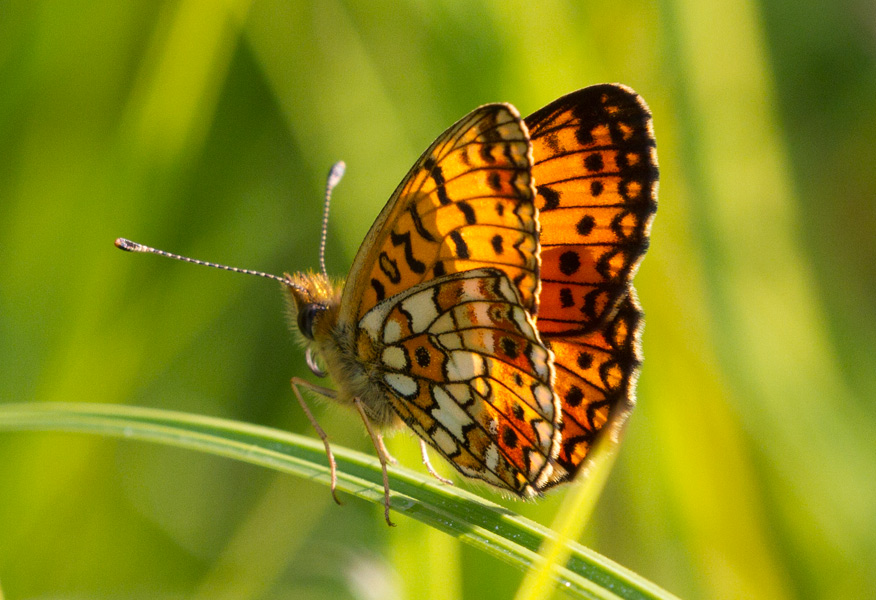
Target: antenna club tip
{"type": "Point", "coordinates": [126, 245]}
{"type": "Point", "coordinates": [336, 173]}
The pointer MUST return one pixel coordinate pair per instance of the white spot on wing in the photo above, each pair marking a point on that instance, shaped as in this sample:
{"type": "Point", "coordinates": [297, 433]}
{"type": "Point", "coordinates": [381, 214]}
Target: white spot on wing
{"type": "Point", "coordinates": [394, 358]}
{"type": "Point", "coordinates": [451, 341]}
{"type": "Point", "coordinates": [506, 290]}
{"type": "Point", "coordinates": [402, 384]}
{"type": "Point", "coordinates": [491, 457]}
{"type": "Point", "coordinates": [471, 290]}
{"type": "Point", "coordinates": [443, 324]}
{"type": "Point", "coordinates": [540, 357]}
{"type": "Point", "coordinates": [461, 392]}
{"type": "Point", "coordinates": [391, 331]}
{"type": "Point", "coordinates": [544, 397]}
{"type": "Point", "coordinates": [444, 441]}
{"type": "Point", "coordinates": [372, 322]}
{"type": "Point", "coordinates": [463, 366]}
{"type": "Point", "coordinates": [523, 323]}
{"type": "Point", "coordinates": [480, 314]}
{"type": "Point", "coordinates": [422, 310]}
{"type": "Point", "coordinates": [450, 414]}
{"type": "Point", "coordinates": [544, 433]}
{"type": "Point", "coordinates": [536, 463]}
{"type": "Point", "coordinates": [482, 388]}
{"type": "Point", "coordinates": [469, 471]}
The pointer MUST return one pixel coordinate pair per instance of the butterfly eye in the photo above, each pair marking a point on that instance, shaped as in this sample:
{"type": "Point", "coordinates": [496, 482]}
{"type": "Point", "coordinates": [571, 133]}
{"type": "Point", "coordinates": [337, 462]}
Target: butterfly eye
{"type": "Point", "coordinates": [306, 318]}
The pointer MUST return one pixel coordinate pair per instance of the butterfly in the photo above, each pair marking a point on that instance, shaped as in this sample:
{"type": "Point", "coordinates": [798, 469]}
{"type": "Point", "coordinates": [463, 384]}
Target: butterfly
{"type": "Point", "coordinates": [490, 307]}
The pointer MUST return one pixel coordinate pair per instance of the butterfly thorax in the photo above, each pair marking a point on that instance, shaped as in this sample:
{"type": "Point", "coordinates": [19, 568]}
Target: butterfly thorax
{"type": "Point", "coordinates": [314, 305]}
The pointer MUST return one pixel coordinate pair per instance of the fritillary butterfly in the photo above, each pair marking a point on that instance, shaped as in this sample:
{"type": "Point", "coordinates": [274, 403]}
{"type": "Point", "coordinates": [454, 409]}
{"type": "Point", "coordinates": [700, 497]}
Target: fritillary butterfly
{"type": "Point", "coordinates": [490, 307]}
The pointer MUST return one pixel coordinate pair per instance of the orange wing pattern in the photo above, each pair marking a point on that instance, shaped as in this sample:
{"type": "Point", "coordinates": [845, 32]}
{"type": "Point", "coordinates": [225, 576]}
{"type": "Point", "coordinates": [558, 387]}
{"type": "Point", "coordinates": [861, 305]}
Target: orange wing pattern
{"type": "Point", "coordinates": [463, 366]}
{"type": "Point", "coordinates": [466, 204]}
{"type": "Point", "coordinates": [596, 380]}
{"type": "Point", "coordinates": [595, 171]}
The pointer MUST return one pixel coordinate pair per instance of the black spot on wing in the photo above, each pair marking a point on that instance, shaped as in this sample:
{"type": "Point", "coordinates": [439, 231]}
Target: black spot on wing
{"type": "Point", "coordinates": [575, 396]}
{"type": "Point", "coordinates": [517, 411]}
{"type": "Point", "coordinates": [467, 211]}
{"type": "Point", "coordinates": [570, 262]}
{"type": "Point", "coordinates": [461, 246]}
{"type": "Point", "coordinates": [509, 347]}
{"type": "Point", "coordinates": [509, 437]}
{"type": "Point", "coordinates": [596, 188]}
{"type": "Point", "coordinates": [379, 290]}
{"type": "Point", "coordinates": [585, 225]}
{"type": "Point", "coordinates": [594, 162]}
{"type": "Point", "coordinates": [423, 357]}
{"type": "Point", "coordinates": [418, 224]}
{"type": "Point", "coordinates": [389, 268]}
{"type": "Point", "coordinates": [551, 197]}
{"type": "Point", "coordinates": [494, 180]}
{"type": "Point", "coordinates": [437, 174]}
{"type": "Point", "coordinates": [404, 239]}
{"type": "Point", "coordinates": [566, 299]}
{"type": "Point", "coordinates": [497, 243]}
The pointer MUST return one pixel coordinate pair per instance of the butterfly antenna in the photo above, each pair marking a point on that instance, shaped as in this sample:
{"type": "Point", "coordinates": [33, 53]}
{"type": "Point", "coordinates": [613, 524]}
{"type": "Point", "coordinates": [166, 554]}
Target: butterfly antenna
{"type": "Point", "coordinates": [334, 178]}
{"type": "Point", "coordinates": [129, 246]}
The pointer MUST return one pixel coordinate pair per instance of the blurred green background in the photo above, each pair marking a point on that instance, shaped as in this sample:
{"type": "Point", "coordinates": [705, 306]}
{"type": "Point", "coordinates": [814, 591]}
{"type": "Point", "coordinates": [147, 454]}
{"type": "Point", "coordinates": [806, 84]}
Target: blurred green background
{"type": "Point", "coordinates": [207, 128]}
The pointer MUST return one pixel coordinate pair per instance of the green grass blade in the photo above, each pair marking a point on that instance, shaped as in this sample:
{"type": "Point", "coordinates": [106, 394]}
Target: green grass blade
{"type": "Point", "coordinates": [468, 517]}
{"type": "Point", "coordinates": [572, 518]}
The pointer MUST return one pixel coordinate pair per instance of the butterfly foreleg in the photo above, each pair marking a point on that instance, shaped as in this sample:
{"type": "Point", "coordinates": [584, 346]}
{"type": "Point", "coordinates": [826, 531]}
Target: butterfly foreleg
{"type": "Point", "coordinates": [382, 455]}
{"type": "Point", "coordinates": [328, 393]}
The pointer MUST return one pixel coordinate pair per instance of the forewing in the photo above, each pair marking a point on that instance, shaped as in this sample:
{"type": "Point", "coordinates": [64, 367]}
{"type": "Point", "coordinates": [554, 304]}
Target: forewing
{"type": "Point", "coordinates": [595, 172]}
{"type": "Point", "coordinates": [467, 203]}
{"type": "Point", "coordinates": [462, 364]}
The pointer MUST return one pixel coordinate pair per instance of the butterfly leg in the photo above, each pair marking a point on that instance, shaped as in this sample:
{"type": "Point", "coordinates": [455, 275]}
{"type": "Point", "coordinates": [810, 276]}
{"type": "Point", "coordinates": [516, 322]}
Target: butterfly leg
{"type": "Point", "coordinates": [424, 453]}
{"type": "Point", "coordinates": [389, 457]}
{"type": "Point", "coordinates": [319, 431]}
{"type": "Point", "coordinates": [378, 445]}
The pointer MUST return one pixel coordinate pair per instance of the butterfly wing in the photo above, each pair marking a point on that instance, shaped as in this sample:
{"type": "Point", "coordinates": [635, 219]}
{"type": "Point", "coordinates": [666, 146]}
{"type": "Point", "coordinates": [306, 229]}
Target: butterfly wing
{"type": "Point", "coordinates": [467, 203]}
{"type": "Point", "coordinates": [463, 366]}
{"type": "Point", "coordinates": [596, 377]}
{"type": "Point", "coordinates": [441, 296]}
{"type": "Point", "coordinates": [595, 170]}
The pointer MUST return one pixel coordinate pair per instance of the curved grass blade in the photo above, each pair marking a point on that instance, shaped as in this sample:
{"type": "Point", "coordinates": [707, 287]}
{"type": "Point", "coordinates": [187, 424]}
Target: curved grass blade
{"type": "Point", "coordinates": [459, 513]}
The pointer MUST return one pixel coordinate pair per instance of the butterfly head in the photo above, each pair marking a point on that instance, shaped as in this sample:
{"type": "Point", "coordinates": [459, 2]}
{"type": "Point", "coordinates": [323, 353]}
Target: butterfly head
{"type": "Point", "coordinates": [313, 304]}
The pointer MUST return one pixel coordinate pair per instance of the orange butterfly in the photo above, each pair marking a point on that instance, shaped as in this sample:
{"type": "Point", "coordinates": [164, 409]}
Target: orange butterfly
{"type": "Point", "coordinates": [490, 306]}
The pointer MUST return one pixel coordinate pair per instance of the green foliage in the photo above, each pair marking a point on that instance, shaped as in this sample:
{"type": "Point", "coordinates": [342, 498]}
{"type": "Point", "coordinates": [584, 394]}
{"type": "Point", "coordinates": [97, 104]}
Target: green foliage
{"type": "Point", "coordinates": [462, 515]}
